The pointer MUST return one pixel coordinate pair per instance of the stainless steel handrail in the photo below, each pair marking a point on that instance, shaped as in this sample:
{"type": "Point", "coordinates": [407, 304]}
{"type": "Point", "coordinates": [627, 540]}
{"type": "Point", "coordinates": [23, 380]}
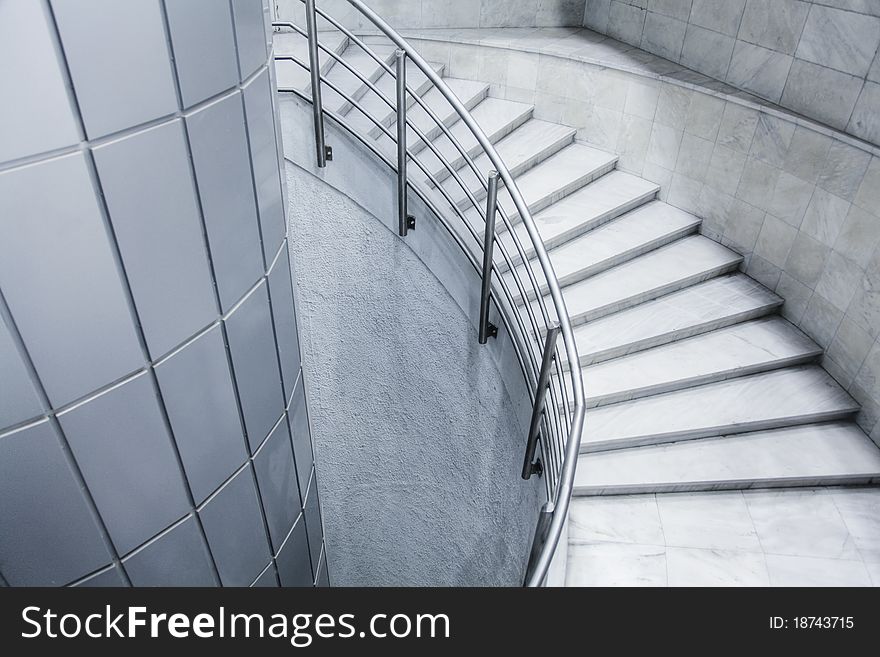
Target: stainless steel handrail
{"type": "Point", "coordinates": [559, 490]}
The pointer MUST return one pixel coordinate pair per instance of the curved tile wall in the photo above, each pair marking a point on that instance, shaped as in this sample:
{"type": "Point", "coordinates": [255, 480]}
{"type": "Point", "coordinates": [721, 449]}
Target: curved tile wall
{"type": "Point", "coordinates": [153, 425]}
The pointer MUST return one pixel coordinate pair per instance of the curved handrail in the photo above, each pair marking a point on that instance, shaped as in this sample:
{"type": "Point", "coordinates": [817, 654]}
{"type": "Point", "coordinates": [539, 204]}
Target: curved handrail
{"type": "Point", "coordinates": [560, 494]}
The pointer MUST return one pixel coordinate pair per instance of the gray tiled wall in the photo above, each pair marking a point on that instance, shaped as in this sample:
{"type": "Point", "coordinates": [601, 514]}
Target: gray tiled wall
{"type": "Point", "coordinates": [427, 14]}
{"type": "Point", "coordinates": [153, 424]}
{"type": "Point", "coordinates": [816, 57]}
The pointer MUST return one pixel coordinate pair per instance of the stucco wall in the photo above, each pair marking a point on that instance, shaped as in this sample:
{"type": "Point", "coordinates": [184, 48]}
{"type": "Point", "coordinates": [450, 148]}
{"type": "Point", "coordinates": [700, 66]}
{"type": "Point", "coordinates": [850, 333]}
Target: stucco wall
{"type": "Point", "coordinates": [816, 57]}
{"type": "Point", "coordinates": [445, 13]}
{"type": "Point", "coordinates": [798, 199]}
{"type": "Point", "coordinates": [419, 430]}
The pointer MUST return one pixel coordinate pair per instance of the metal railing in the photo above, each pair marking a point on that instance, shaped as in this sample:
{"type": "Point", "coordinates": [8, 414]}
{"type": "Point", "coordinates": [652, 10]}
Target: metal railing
{"type": "Point", "coordinates": [557, 416]}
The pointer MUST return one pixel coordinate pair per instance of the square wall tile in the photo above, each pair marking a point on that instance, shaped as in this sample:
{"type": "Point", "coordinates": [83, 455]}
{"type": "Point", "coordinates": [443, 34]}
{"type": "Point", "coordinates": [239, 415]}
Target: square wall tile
{"type": "Point", "coordinates": [41, 118]}
{"type": "Point", "coordinates": [294, 563]}
{"type": "Point", "coordinates": [127, 459]}
{"type": "Point", "coordinates": [276, 476]}
{"type": "Point", "coordinates": [235, 531]}
{"type": "Point", "coordinates": [842, 40]}
{"type": "Point", "coordinates": [774, 24]}
{"type": "Point", "coordinates": [821, 93]}
{"type": "Point", "coordinates": [124, 78]}
{"type": "Point", "coordinates": [49, 536]}
{"type": "Point", "coordinates": [312, 510]}
{"type": "Point", "coordinates": [204, 47]}
{"type": "Point", "coordinates": [54, 248]}
{"type": "Point", "coordinates": [107, 578]}
{"type": "Point", "coordinates": [18, 399]}
{"type": "Point", "coordinates": [197, 388]}
{"type": "Point", "coordinates": [150, 194]}
{"type": "Point", "coordinates": [759, 70]}
{"type": "Point", "coordinates": [264, 154]}
{"type": "Point", "coordinates": [298, 417]}
{"type": "Point", "coordinates": [706, 51]}
{"type": "Point", "coordinates": [178, 557]}
{"type": "Point", "coordinates": [254, 359]}
{"type": "Point", "coordinates": [284, 316]}
{"type": "Point", "coordinates": [226, 189]}
{"type": "Point", "coordinates": [250, 34]}
{"type": "Point", "coordinates": [719, 15]}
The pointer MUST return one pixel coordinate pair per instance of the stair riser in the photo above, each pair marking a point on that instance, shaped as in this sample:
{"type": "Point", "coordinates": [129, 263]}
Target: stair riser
{"type": "Point", "coordinates": [740, 484]}
{"type": "Point", "coordinates": [714, 377]}
{"type": "Point", "coordinates": [714, 431]}
{"type": "Point", "coordinates": [619, 259]}
{"type": "Point", "coordinates": [390, 116]}
{"type": "Point", "coordinates": [673, 336]}
{"type": "Point", "coordinates": [597, 313]}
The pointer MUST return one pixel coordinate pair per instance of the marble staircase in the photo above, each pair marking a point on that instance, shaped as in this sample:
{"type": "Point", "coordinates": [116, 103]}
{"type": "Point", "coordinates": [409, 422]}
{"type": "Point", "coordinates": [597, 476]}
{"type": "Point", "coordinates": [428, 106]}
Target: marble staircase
{"type": "Point", "coordinates": [694, 381]}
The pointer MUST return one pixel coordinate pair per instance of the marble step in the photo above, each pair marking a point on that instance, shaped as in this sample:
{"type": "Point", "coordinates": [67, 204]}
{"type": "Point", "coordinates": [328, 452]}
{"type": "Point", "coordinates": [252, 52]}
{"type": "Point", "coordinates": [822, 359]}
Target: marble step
{"type": "Point", "coordinates": [790, 396]}
{"type": "Point", "coordinates": [751, 347]}
{"type": "Point", "coordinates": [373, 104]}
{"type": "Point", "coordinates": [719, 302]}
{"type": "Point", "coordinates": [601, 201]}
{"type": "Point", "coordinates": [291, 75]}
{"type": "Point", "coordinates": [522, 149]}
{"type": "Point", "coordinates": [553, 179]}
{"type": "Point", "coordinates": [556, 177]}
{"type": "Point", "coordinates": [665, 270]}
{"type": "Point", "coordinates": [470, 94]}
{"type": "Point", "coordinates": [495, 116]}
{"type": "Point", "coordinates": [349, 83]}
{"type": "Point", "coordinates": [824, 454]}
{"type": "Point", "coordinates": [637, 232]}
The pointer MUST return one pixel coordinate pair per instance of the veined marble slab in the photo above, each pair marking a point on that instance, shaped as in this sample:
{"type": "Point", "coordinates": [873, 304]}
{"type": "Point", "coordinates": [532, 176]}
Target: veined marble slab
{"type": "Point", "coordinates": [603, 200]}
{"type": "Point", "coordinates": [705, 307]}
{"type": "Point", "coordinates": [747, 348]}
{"type": "Point", "coordinates": [795, 395]}
{"type": "Point", "coordinates": [810, 455]}
{"type": "Point", "coordinates": [678, 265]}
{"type": "Point", "coordinates": [637, 232]}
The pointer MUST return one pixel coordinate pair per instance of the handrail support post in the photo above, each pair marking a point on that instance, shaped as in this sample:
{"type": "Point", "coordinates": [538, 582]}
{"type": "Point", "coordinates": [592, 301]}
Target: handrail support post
{"type": "Point", "coordinates": [487, 329]}
{"type": "Point", "coordinates": [530, 465]}
{"type": "Point", "coordinates": [405, 222]}
{"type": "Point", "coordinates": [324, 152]}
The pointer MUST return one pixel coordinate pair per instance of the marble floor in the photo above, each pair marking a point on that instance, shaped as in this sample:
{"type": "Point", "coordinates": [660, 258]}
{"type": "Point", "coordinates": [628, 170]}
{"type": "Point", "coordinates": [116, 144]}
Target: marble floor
{"type": "Point", "coordinates": [790, 537]}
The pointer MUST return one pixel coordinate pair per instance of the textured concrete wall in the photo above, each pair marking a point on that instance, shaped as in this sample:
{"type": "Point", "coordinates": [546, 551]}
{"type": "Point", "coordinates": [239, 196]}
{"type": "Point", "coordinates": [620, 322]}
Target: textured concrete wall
{"type": "Point", "coordinates": [153, 427]}
{"type": "Point", "coordinates": [428, 14]}
{"type": "Point", "coordinates": [816, 57]}
{"type": "Point", "coordinates": [419, 431]}
{"type": "Point", "coordinates": [800, 200]}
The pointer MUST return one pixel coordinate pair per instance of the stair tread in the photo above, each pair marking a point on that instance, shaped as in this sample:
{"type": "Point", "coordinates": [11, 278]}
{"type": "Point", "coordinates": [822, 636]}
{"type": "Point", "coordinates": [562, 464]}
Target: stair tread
{"type": "Point", "coordinates": [555, 177]}
{"type": "Point", "coordinates": [649, 226]}
{"type": "Point", "coordinates": [793, 395]}
{"type": "Point", "coordinates": [685, 262]}
{"type": "Point", "coordinates": [715, 303]}
{"type": "Point", "coordinates": [347, 81]}
{"type": "Point", "coordinates": [807, 455]}
{"type": "Point", "coordinates": [604, 199]}
{"type": "Point", "coordinates": [291, 75]}
{"type": "Point", "coordinates": [495, 116]}
{"type": "Point", "coordinates": [745, 348]}
{"type": "Point", "coordinates": [517, 149]}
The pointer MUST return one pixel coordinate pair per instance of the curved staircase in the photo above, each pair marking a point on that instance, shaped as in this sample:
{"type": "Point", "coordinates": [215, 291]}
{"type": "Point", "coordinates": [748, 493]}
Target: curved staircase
{"type": "Point", "coordinates": [694, 381]}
